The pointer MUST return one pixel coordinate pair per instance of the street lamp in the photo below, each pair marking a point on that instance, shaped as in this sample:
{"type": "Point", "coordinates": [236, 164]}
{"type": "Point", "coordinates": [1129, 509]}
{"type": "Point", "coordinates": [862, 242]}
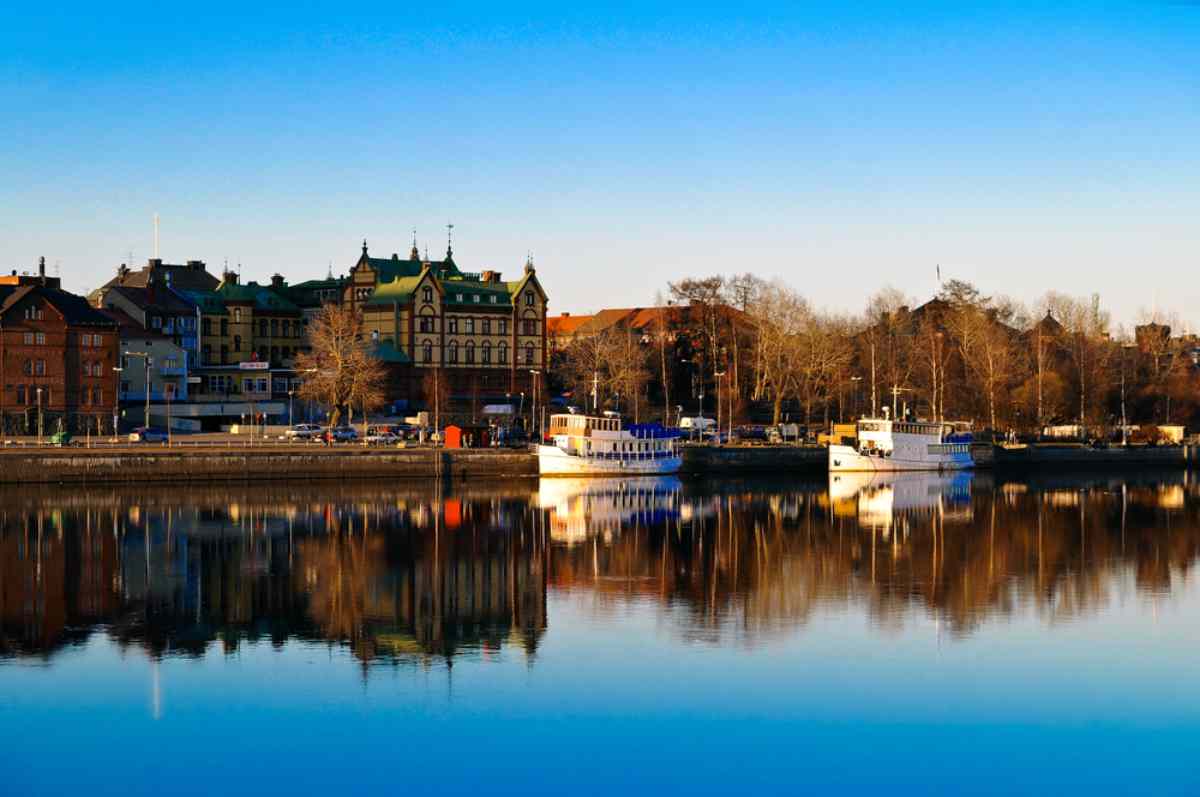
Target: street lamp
{"type": "Point", "coordinates": [720, 375]}
{"type": "Point", "coordinates": [39, 412]}
{"type": "Point", "coordinates": [291, 392]}
{"type": "Point", "coordinates": [533, 404]}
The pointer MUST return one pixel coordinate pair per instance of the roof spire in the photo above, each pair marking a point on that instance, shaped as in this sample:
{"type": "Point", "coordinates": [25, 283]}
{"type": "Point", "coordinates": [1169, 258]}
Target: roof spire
{"type": "Point", "coordinates": [414, 254]}
{"type": "Point", "coordinates": [364, 246]}
{"type": "Point", "coordinates": [329, 273]}
{"type": "Point", "coordinates": [449, 241]}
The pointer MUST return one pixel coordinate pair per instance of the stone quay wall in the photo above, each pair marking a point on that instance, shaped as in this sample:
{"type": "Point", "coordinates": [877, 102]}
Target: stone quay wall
{"type": "Point", "coordinates": [255, 464]}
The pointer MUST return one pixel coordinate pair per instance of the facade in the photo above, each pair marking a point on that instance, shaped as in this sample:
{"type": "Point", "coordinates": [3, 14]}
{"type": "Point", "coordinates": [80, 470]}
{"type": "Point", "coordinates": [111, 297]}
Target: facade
{"type": "Point", "coordinates": [57, 355]}
{"type": "Point", "coordinates": [486, 337]}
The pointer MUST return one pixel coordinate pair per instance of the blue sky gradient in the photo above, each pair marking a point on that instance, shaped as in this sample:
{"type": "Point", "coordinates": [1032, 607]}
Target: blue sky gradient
{"type": "Point", "coordinates": [1025, 147]}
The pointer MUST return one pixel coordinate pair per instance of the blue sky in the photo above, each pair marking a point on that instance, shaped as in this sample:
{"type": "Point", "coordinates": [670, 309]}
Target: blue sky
{"type": "Point", "coordinates": [1022, 146]}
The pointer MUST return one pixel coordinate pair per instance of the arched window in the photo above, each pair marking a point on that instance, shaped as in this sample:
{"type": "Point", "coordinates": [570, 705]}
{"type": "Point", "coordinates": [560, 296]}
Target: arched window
{"type": "Point", "coordinates": [529, 354]}
{"type": "Point", "coordinates": [529, 299]}
{"type": "Point", "coordinates": [452, 356]}
{"type": "Point", "coordinates": [427, 351]}
{"type": "Point", "coordinates": [487, 353]}
{"type": "Point", "coordinates": [470, 352]}
{"type": "Point", "coordinates": [502, 354]}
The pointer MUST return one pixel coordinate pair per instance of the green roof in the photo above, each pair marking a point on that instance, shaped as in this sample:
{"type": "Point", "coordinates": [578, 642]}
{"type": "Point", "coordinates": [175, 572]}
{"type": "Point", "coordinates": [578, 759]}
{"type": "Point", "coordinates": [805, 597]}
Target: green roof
{"type": "Point", "coordinates": [208, 302]}
{"type": "Point", "coordinates": [261, 296]}
{"type": "Point", "coordinates": [398, 290]}
{"type": "Point", "coordinates": [385, 351]}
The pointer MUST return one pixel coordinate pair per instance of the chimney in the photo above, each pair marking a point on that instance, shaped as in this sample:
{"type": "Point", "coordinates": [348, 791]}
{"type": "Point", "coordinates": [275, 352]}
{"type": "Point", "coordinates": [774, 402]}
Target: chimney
{"type": "Point", "coordinates": [42, 269]}
{"type": "Point", "coordinates": [229, 277]}
{"type": "Point", "coordinates": [277, 281]}
{"type": "Point", "coordinates": [154, 262]}
{"type": "Point", "coordinates": [195, 265]}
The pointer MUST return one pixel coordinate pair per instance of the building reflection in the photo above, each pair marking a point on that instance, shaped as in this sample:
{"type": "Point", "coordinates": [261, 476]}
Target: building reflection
{"type": "Point", "coordinates": [423, 574]}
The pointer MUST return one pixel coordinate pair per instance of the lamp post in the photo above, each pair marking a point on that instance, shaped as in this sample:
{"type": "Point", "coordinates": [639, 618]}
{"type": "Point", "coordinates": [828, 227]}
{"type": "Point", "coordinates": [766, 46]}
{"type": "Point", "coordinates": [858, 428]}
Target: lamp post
{"type": "Point", "coordinates": [291, 392]}
{"type": "Point", "coordinates": [720, 375]}
{"type": "Point", "coordinates": [116, 399]}
{"type": "Point", "coordinates": [533, 404]}
{"type": "Point", "coordinates": [39, 413]}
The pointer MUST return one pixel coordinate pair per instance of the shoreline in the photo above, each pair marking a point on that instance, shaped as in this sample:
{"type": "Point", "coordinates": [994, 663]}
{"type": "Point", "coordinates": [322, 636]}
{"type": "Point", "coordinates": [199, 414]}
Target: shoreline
{"type": "Point", "coordinates": [239, 463]}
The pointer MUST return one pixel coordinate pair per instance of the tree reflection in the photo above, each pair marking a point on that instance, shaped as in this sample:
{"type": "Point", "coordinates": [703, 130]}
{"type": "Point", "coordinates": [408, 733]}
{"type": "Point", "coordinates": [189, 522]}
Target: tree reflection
{"type": "Point", "coordinates": [422, 574]}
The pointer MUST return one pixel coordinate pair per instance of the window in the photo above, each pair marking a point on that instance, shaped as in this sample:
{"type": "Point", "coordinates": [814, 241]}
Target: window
{"type": "Point", "coordinates": [97, 395]}
{"type": "Point", "coordinates": [260, 384]}
{"type": "Point", "coordinates": [475, 298]}
{"type": "Point", "coordinates": [502, 354]}
{"type": "Point", "coordinates": [156, 322]}
{"type": "Point", "coordinates": [207, 354]}
{"type": "Point", "coordinates": [530, 327]}
{"type": "Point", "coordinates": [237, 315]}
{"type": "Point", "coordinates": [492, 298]}
{"type": "Point", "coordinates": [287, 352]}
{"type": "Point", "coordinates": [458, 297]}
{"type": "Point", "coordinates": [487, 353]}
{"type": "Point", "coordinates": [427, 294]}
{"type": "Point", "coordinates": [124, 388]}
{"type": "Point", "coordinates": [39, 367]}
{"type": "Point", "coordinates": [529, 354]}
{"type": "Point", "coordinates": [237, 342]}
{"type": "Point", "coordinates": [426, 324]}
{"type": "Point", "coordinates": [41, 338]}
{"type": "Point", "coordinates": [247, 385]}
{"type": "Point", "coordinates": [529, 299]}
{"type": "Point", "coordinates": [206, 327]}
{"type": "Point", "coordinates": [503, 326]}
{"type": "Point", "coordinates": [262, 328]}
{"type": "Point", "coordinates": [261, 353]}
{"type": "Point", "coordinates": [20, 394]}
{"type": "Point", "coordinates": [427, 352]}
{"type": "Point", "coordinates": [224, 355]}
{"type": "Point", "coordinates": [28, 338]}
{"type": "Point", "coordinates": [453, 326]}
{"type": "Point", "coordinates": [285, 328]}
{"type": "Point", "coordinates": [169, 362]}
{"type": "Point", "coordinates": [487, 326]}
{"type": "Point", "coordinates": [275, 351]}
{"type": "Point", "coordinates": [187, 324]}
{"type": "Point", "coordinates": [97, 340]}
{"type": "Point", "coordinates": [470, 322]}
{"type": "Point", "coordinates": [470, 352]}
{"type": "Point", "coordinates": [224, 327]}
{"type": "Point", "coordinates": [452, 354]}
{"type": "Point", "coordinates": [274, 327]}
{"type": "Point", "coordinates": [27, 368]}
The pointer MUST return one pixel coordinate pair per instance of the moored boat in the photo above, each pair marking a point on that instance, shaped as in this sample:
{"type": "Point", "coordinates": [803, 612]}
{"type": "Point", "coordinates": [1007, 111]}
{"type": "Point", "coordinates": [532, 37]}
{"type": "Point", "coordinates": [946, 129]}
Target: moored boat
{"type": "Point", "coordinates": [590, 445]}
{"type": "Point", "coordinates": [883, 444]}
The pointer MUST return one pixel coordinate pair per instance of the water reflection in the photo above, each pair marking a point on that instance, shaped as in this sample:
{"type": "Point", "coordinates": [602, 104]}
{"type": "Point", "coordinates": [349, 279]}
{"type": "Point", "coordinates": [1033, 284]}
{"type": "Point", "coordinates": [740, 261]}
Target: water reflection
{"type": "Point", "coordinates": [418, 574]}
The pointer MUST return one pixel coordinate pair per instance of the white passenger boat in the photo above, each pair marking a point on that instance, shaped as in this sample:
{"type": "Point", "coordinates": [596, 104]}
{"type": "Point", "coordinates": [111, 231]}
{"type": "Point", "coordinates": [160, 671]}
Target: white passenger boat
{"type": "Point", "coordinates": [589, 445]}
{"type": "Point", "coordinates": [884, 444]}
{"type": "Point", "coordinates": [595, 506]}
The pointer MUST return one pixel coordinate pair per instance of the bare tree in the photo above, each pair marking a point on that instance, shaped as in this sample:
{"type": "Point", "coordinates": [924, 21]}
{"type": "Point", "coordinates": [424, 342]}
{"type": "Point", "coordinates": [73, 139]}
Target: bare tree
{"type": "Point", "coordinates": [340, 371]}
{"type": "Point", "coordinates": [1086, 339]}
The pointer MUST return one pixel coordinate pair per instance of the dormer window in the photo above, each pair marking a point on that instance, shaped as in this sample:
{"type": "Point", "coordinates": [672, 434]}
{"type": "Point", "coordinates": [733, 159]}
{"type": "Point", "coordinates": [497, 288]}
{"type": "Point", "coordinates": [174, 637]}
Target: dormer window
{"type": "Point", "coordinates": [458, 297]}
{"type": "Point", "coordinates": [428, 294]}
{"type": "Point", "coordinates": [492, 298]}
{"type": "Point", "coordinates": [475, 298]}
{"type": "Point", "coordinates": [529, 299]}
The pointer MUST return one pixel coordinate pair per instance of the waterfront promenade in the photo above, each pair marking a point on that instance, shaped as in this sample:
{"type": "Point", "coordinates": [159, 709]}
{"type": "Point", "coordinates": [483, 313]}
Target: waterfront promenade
{"type": "Point", "coordinates": [197, 459]}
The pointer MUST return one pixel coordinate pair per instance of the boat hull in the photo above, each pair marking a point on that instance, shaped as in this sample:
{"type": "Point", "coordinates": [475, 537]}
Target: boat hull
{"type": "Point", "coordinates": [846, 459]}
{"type": "Point", "coordinates": [553, 461]}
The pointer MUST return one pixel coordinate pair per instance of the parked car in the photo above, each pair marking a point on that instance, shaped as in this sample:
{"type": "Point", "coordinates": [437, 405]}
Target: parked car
{"type": "Point", "coordinates": [382, 435]}
{"type": "Point", "coordinates": [144, 434]}
{"type": "Point", "coordinates": [303, 431]}
{"type": "Point", "coordinates": [343, 434]}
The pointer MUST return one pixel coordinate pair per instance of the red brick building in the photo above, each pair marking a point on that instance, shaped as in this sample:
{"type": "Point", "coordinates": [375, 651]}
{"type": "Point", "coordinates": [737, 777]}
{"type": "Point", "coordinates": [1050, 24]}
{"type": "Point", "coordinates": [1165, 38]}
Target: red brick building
{"type": "Point", "coordinates": [57, 355]}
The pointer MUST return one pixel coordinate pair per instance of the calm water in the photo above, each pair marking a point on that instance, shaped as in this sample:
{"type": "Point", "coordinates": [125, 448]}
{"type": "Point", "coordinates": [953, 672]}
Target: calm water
{"type": "Point", "coordinates": [916, 634]}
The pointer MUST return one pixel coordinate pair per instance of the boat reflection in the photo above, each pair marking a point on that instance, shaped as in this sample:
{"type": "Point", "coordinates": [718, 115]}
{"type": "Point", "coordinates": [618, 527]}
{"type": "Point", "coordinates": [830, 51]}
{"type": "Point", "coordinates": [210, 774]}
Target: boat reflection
{"type": "Point", "coordinates": [579, 508]}
{"type": "Point", "coordinates": [416, 575]}
{"type": "Point", "coordinates": [883, 500]}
